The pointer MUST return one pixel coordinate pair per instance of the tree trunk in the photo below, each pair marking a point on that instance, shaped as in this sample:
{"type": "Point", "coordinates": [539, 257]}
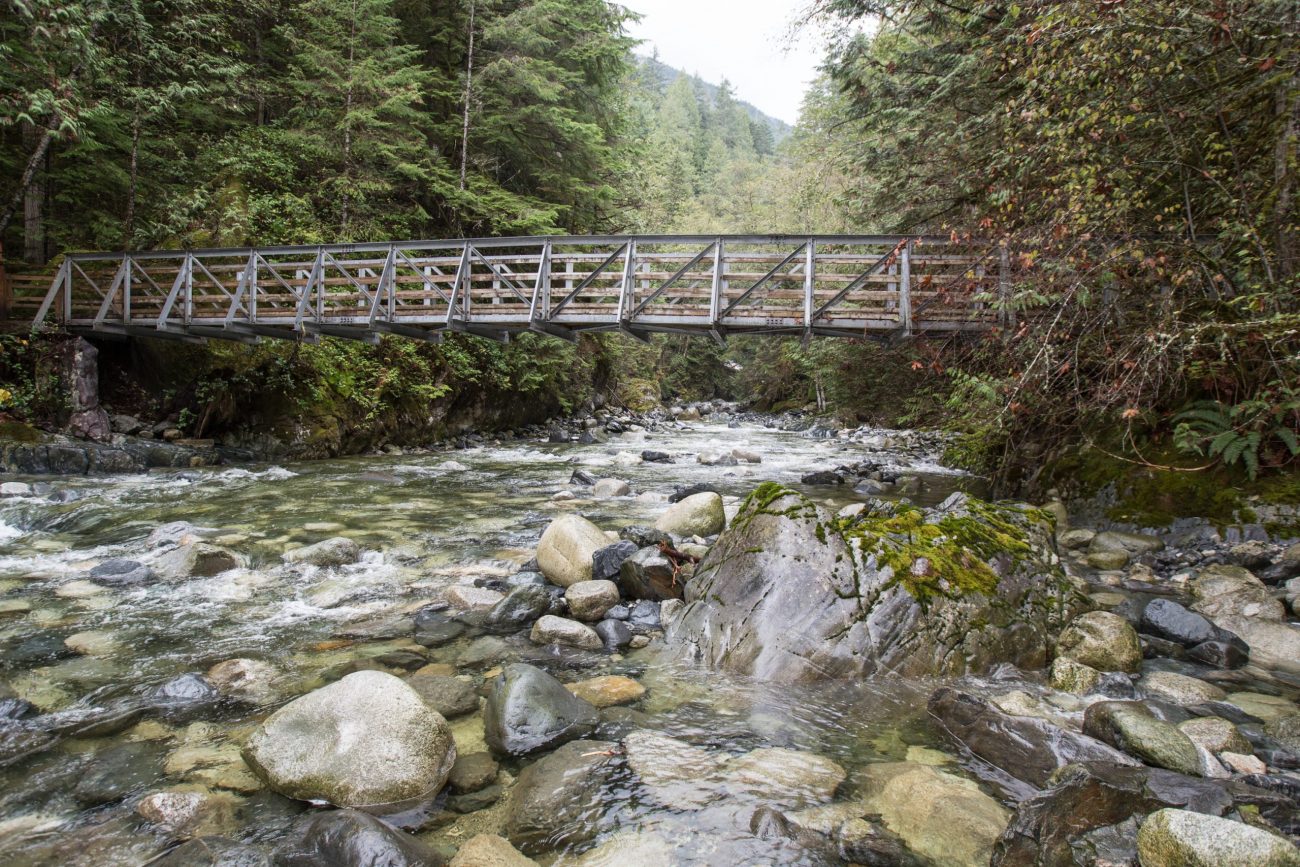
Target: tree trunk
{"type": "Point", "coordinates": [347, 124]}
{"type": "Point", "coordinates": [469, 81]}
{"type": "Point", "coordinates": [34, 208]}
{"type": "Point", "coordinates": [1286, 155]}
{"type": "Point", "coordinates": [128, 230]}
{"type": "Point", "coordinates": [29, 172]}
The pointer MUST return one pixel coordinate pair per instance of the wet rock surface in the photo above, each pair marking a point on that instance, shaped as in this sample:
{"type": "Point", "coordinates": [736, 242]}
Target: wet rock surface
{"type": "Point", "coordinates": [786, 594]}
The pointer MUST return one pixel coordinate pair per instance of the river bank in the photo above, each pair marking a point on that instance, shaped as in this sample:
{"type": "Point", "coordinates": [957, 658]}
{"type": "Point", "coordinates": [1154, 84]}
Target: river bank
{"type": "Point", "coordinates": [156, 626]}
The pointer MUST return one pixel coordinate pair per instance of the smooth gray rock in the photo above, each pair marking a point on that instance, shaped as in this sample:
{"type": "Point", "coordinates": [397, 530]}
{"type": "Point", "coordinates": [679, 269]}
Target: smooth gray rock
{"type": "Point", "coordinates": [368, 740]}
{"type": "Point", "coordinates": [697, 515]}
{"type": "Point", "coordinates": [566, 548]}
{"type": "Point", "coordinates": [555, 800]}
{"type": "Point", "coordinates": [449, 696]}
{"type": "Point", "coordinates": [589, 600]}
{"type": "Point", "coordinates": [550, 629]}
{"type": "Point", "coordinates": [122, 573]}
{"type": "Point", "coordinates": [350, 838]}
{"type": "Point", "coordinates": [1026, 748]}
{"type": "Point", "coordinates": [518, 609]}
{"type": "Point", "coordinates": [528, 711]}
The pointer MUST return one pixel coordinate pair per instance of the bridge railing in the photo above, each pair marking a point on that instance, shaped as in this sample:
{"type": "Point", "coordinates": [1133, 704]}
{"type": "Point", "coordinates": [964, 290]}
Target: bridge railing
{"type": "Point", "coordinates": [840, 285]}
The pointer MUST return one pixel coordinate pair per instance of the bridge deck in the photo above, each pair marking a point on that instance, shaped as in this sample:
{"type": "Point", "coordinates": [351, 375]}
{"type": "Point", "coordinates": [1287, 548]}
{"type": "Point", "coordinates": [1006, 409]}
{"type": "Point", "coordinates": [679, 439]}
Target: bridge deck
{"type": "Point", "coordinates": [861, 285]}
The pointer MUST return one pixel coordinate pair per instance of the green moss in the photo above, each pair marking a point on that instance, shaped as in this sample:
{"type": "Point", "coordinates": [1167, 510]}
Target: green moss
{"type": "Point", "coordinates": [948, 558]}
{"type": "Point", "coordinates": [1157, 497]}
{"type": "Point", "coordinates": [16, 431]}
{"type": "Point", "coordinates": [1282, 489]}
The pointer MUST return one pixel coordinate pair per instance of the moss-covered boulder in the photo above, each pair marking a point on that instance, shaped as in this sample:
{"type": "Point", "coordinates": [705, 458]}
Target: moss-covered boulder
{"type": "Point", "coordinates": [790, 593]}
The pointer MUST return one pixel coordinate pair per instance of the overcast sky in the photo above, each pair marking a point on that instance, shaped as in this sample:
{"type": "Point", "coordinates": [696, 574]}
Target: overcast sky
{"type": "Point", "coordinates": [744, 41]}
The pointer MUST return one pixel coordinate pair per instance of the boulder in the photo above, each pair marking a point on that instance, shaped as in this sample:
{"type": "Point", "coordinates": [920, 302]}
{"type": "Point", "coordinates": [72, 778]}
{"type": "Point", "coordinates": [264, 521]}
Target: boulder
{"type": "Point", "coordinates": [337, 551]}
{"type": "Point", "coordinates": [1101, 640]}
{"type": "Point", "coordinates": [1129, 726]}
{"type": "Point", "coordinates": [648, 574]}
{"type": "Point", "coordinates": [552, 802]}
{"type": "Point", "coordinates": [566, 548]}
{"type": "Point", "coordinates": [1026, 748]}
{"type": "Point", "coordinates": [942, 817]}
{"type": "Point", "coordinates": [589, 600]}
{"type": "Point", "coordinates": [433, 628]}
{"type": "Point", "coordinates": [788, 594]}
{"type": "Point", "coordinates": [697, 515]}
{"type": "Point", "coordinates": [1231, 652]}
{"type": "Point", "coordinates": [368, 740]}
{"type": "Point", "coordinates": [118, 771]}
{"type": "Point", "coordinates": [615, 634]}
{"type": "Point", "coordinates": [550, 629]}
{"type": "Point", "coordinates": [528, 711]}
{"type": "Point", "coordinates": [350, 838]}
{"type": "Point", "coordinates": [1231, 592]}
{"type": "Point", "coordinates": [184, 813]}
{"type": "Point", "coordinates": [650, 456]}
{"type": "Point", "coordinates": [1182, 838]}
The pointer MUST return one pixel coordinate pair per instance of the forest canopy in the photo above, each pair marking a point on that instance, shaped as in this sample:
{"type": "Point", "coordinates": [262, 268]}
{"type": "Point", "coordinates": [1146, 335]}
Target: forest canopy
{"type": "Point", "coordinates": [1138, 161]}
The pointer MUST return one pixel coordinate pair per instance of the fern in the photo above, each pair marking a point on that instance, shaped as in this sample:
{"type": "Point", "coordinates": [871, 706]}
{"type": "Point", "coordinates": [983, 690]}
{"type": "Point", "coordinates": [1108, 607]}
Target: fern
{"type": "Point", "coordinates": [1237, 434]}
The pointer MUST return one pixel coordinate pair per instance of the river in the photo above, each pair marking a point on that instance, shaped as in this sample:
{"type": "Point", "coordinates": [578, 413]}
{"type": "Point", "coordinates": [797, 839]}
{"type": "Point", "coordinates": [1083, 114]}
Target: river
{"type": "Point", "coordinates": [423, 522]}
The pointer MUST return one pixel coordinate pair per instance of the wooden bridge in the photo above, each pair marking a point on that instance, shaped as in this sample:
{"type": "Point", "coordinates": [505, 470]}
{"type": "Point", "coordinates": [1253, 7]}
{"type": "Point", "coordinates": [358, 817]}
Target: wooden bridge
{"type": "Point", "coordinates": [877, 286]}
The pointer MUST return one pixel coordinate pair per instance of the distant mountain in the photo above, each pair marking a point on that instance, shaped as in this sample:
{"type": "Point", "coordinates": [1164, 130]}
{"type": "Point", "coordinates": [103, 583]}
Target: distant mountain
{"type": "Point", "coordinates": [657, 70]}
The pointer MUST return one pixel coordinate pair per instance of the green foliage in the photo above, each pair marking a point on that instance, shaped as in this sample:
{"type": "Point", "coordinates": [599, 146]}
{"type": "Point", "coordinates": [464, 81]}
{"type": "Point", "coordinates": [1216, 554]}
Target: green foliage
{"type": "Point", "coordinates": [1241, 433]}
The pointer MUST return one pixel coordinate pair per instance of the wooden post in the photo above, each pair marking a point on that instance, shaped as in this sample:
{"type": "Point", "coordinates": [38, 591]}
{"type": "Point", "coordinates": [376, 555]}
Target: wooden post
{"type": "Point", "coordinates": [809, 263]}
{"type": "Point", "coordinates": [905, 290]}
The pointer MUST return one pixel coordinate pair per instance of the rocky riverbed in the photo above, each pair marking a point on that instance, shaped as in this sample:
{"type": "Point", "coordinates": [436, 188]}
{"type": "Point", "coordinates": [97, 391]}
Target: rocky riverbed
{"type": "Point", "coordinates": [714, 639]}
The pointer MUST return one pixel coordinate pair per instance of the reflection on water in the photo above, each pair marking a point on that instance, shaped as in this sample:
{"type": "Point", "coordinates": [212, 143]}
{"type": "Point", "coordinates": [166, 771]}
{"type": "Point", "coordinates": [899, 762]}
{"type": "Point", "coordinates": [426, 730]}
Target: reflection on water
{"type": "Point", "coordinates": [70, 645]}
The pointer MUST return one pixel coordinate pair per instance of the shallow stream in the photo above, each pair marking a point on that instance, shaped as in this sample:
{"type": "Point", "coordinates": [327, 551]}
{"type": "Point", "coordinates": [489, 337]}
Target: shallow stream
{"type": "Point", "coordinates": [67, 643]}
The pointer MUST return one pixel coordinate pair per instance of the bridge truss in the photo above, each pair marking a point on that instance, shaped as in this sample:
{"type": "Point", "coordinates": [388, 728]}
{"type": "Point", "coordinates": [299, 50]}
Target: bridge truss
{"type": "Point", "coordinates": [878, 286]}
